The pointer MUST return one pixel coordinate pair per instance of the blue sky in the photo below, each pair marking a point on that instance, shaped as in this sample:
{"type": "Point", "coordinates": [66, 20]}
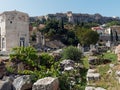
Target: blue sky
{"type": "Point", "coordinates": [43, 7]}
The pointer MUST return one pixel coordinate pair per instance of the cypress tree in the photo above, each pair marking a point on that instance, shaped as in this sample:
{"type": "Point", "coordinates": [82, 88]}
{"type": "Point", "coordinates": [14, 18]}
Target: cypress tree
{"type": "Point", "coordinates": [111, 35]}
{"type": "Point", "coordinates": [61, 23]}
{"type": "Point", "coordinates": [116, 36]}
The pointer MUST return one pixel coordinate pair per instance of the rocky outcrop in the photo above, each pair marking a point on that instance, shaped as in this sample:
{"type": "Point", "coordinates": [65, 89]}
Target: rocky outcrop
{"type": "Point", "coordinates": [7, 84]}
{"type": "Point", "coordinates": [94, 52]}
{"type": "Point", "coordinates": [23, 83]}
{"type": "Point", "coordinates": [92, 75]}
{"type": "Point", "coordinates": [57, 54]}
{"type": "Point", "coordinates": [47, 83]}
{"type": "Point", "coordinates": [92, 60]}
{"type": "Point", "coordinates": [67, 65]}
{"type": "Point", "coordinates": [117, 51]}
{"type": "Point", "coordinates": [118, 55]}
{"type": "Point", "coordinates": [94, 88]}
{"type": "Point", "coordinates": [118, 75]}
{"type": "Point", "coordinates": [75, 18]}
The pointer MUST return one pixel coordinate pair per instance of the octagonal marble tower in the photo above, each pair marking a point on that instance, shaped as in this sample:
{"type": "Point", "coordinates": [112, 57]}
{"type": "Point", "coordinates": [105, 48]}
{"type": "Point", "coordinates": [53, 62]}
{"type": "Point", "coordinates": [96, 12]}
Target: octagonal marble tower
{"type": "Point", "coordinates": [14, 30]}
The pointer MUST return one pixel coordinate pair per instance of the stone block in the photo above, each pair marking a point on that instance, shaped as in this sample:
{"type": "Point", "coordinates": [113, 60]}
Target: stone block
{"type": "Point", "coordinates": [47, 83]}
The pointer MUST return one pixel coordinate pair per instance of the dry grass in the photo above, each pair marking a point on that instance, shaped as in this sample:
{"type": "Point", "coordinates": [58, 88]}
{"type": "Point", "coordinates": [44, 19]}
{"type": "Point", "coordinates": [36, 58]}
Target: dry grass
{"type": "Point", "coordinates": [108, 80]}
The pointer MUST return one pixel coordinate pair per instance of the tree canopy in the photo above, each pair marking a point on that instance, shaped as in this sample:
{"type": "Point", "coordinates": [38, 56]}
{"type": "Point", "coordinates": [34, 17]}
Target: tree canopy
{"type": "Point", "coordinates": [112, 23]}
{"type": "Point", "coordinates": [86, 36]}
{"type": "Point", "coordinates": [74, 34]}
{"type": "Point", "coordinates": [55, 30]}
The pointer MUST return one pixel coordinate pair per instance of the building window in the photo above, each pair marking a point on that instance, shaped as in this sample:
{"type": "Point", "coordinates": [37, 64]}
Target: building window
{"type": "Point", "coordinates": [1, 20]}
{"type": "Point", "coordinates": [22, 41]}
{"type": "Point", "coordinates": [3, 43]}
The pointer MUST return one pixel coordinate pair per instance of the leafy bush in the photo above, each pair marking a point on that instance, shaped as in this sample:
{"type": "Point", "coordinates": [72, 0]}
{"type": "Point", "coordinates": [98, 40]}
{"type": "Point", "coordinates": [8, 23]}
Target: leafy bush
{"type": "Point", "coordinates": [86, 36]}
{"type": "Point", "coordinates": [25, 72]}
{"type": "Point", "coordinates": [46, 60]}
{"type": "Point", "coordinates": [10, 70]}
{"type": "Point", "coordinates": [64, 82]}
{"type": "Point", "coordinates": [28, 55]}
{"type": "Point", "coordinates": [72, 53]}
{"type": "Point", "coordinates": [44, 72]}
{"type": "Point", "coordinates": [72, 80]}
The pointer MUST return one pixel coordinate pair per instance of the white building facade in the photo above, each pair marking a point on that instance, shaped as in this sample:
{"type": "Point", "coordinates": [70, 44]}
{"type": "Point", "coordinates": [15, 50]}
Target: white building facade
{"type": "Point", "coordinates": [14, 30]}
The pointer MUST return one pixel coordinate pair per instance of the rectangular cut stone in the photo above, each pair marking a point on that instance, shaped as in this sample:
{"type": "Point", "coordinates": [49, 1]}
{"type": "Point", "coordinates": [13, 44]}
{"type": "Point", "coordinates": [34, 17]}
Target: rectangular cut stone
{"type": "Point", "coordinates": [47, 83]}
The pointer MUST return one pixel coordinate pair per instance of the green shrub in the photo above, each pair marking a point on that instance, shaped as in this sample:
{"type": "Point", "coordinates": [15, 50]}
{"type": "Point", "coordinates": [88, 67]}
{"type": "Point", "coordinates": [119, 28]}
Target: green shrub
{"type": "Point", "coordinates": [111, 56]}
{"type": "Point", "coordinates": [46, 60]}
{"type": "Point", "coordinates": [72, 81]}
{"type": "Point", "coordinates": [64, 82]}
{"type": "Point", "coordinates": [10, 69]}
{"type": "Point", "coordinates": [28, 55]}
{"type": "Point", "coordinates": [25, 72]}
{"type": "Point", "coordinates": [44, 72]}
{"type": "Point", "coordinates": [72, 53]}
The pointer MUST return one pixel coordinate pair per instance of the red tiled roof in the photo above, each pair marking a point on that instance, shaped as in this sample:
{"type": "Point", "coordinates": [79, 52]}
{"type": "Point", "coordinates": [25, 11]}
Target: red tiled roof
{"type": "Point", "coordinates": [97, 28]}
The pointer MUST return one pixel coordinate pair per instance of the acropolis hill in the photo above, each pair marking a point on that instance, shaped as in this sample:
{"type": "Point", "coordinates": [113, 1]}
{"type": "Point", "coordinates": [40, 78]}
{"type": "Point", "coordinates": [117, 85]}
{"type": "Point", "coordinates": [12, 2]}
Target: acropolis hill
{"type": "Point", "coordinates": [76, 17]}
